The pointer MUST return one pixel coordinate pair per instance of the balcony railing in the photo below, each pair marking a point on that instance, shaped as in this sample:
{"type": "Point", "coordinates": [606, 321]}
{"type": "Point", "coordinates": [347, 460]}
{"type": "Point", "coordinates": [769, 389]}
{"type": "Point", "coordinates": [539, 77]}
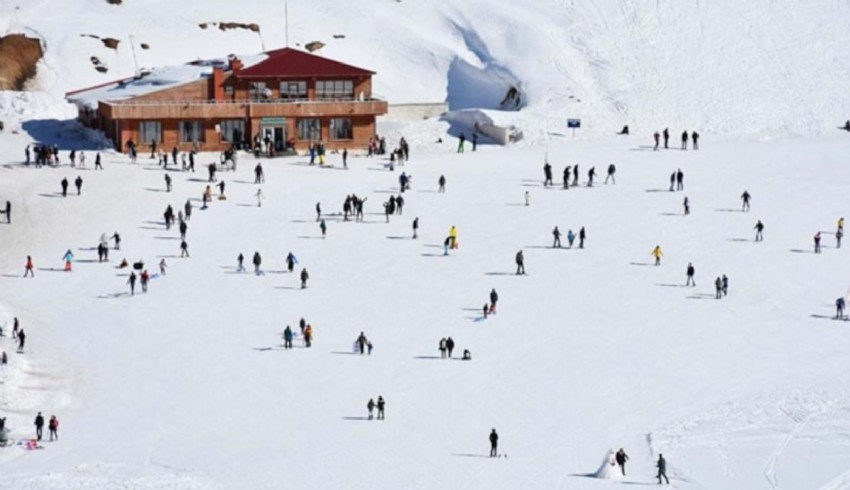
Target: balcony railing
{"type": "Point", "coordinates": [239, 109]}
{"type": "Point", "coordinates": [242, 101]}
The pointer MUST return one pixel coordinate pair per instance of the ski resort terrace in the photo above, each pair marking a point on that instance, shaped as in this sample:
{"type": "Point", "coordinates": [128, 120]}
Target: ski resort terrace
{"type": "Point", "coordinates": [224, 109]}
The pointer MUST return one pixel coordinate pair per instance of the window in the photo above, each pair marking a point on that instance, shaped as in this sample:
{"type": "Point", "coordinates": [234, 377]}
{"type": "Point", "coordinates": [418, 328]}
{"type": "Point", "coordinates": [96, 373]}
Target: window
{"type": "Point", "coordinates": [309, 129]}
{"type": "Point", "coordinates": [232, 130]}
{"type": "Point", "coordinates": [293, 90]}
{"type": "Point", "coordinates": [228, 91]}
{"type": "Point", "coordinates": [335, 89]}
{"type": "Point", "coordinates": [258, 90]}
{"type": "Point", "coordinates": [342, 129]}
{"type": "Point", "coordinates": [191, 131]}
{"type": "Point", "coordinates": [150, 131]}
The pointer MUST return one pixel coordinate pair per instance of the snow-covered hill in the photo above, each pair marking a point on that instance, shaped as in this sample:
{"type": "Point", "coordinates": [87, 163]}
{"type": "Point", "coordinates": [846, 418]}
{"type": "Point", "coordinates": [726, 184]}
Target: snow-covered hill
{"type": "Point", "coordinates": [761, 68]}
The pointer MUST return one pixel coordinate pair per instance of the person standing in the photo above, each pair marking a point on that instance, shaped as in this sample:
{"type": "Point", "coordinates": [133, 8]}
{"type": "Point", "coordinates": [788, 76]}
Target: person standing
{"type": "Point", "coordinates": [257, 261]}
{"type": "Point", "coordinates": [184, 249]}
{"type": "Point", "coordinates": [474, 141]}
{"type": "Point", "coordinates": [566, 177]}
{"type": "Point", "coordinates": [132, 282]}
{"type": "Point", "coordinates": [657, 253]}
{"type": "Point", "coordinates": [685, 140]}
{"type": "Point", "coordinates": [547, 174]}
{"type": "Point", "coordinates": [345, 158]}
{"type": "Point", "coordinates": [520, 263]}
{"type": "Point", "coordinates": [687, 205]}
{"type": "Point", "coordinates": [29, 268]}
{"type": "Point", "coordinates": [557, 234]}
{"type": "Point", "coordinates": [666, 134]}
{"type": "Point", "coordinates": [575, 175]}
{"type": "Point", "coordinates": [527, 198]}
{"type": "Point", "coordinates": [39, 425]}
{"type": "Point", "coordinates": [97, 164]}
{"type": "Point", "coordinates": [415, 228]}
{"type": "Point", "coordinates": [570, 238]}
{"type": "Point", "coordinates": [443, 347]}
{"type": "Point", "coordinates": [718, 288]}
{"type": "Point", "coordinates": [370, 407]}
{"type": "Point", "coordinates": [53, 427]}
{"type": "Point", "coordinates": [590, 175]}
{"type": "Point", "coordinates": [260, 198]}
{"type": "Point", "coordinates": [167, 183]}
{"type": "Point", "coordinates": [725, 284]}
{"type": "Point", "coordinates": [494, 443]}
{"type": "Point", "coordinates": [361, 343]}
{"type": "Point", "coordinates": [494, 298]}
{"type": "Point", "coordinates": [690, 272]}
{"type": "Point", "coordinates": [287, 338]}
{"type": "Point", "coordinates": [838, 236]}
{"type": "Point", "coordinates": [450, 346]}
{"type": "Point", "coordinates": [144, 277]}
{"type": "Point", "coordinates": [8, 212]}
{"type": "Point", "coordinates": [461, 140]}
{"type": "Point", "coordinates": [745, 199]}
{"type": "Point", "coordinates": [680, 180]}
{"type": "Point", "coordinates": [308, 336]}
{"type": "Point", "coordinates": [581, 237]}
{"type": "Point", "coordinates": [442, 184]}
{"type": "Point", "coordinates": [304, 277]}
{"type": "Point", "coordinates": [662, 469]}
{"type": "Point", "coordinates": [381, 405]}
{"type": "Point", "coordinates": [657, 138]}
{"type": "Point", "coordinates": [621, 458]}
{"type": "Point", "coordinates": [839, 308]}
{"type": "Point", "coordinates": [64, 187]}
{"type": "Point", "coordinates": [695, 139]}
{"type": "Point", "coordinates": [817, 242]}
{"type": "Point", "coordinates": [22, 340]}
{"type": "Point", "coordinates": [453, 235]}
{"type": "Point", "coordinates": [318, 211]}
{"type": "Point", "coordinates": [324, 228]}
{"type": "Point", "coordinates": [162, 267]}
{"type": "Point", "coordinates": [78, 182]}
{"type": "Point", "coordinates": [68, 258]}
{"type": "Point", "coordinates": [612, 169]}
{"type": "Point", "coordinates": [759, 229]}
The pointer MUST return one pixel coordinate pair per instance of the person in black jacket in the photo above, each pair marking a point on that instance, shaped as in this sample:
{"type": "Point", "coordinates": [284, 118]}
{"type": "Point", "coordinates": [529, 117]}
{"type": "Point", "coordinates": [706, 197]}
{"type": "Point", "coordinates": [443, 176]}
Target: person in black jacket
{"type": "Point", "coordinates": [662, 469]}
{"type": "Point", "coordinates": [494, 443]}
{"type": "Point", "coordinates": [79, 183]}
{"type": "Point", "coordinates": [494, 298]}
{"type": "Point", "coordinates": [450, 346]}
{"type": "Point", "coordinates": [520, 263]}
{"type": "Point", "coordinates": [39, 425]}
{"type": "Point", "coordinates": [64, 187]}
{"type": "Point", "coordinates": [304, 277]}
{"type": "Point", "coordinates": [381, 404]}
{"type": "Point", "coordinates": [621, 458]}
{"type": "Point", "coordinates": [257, 262]}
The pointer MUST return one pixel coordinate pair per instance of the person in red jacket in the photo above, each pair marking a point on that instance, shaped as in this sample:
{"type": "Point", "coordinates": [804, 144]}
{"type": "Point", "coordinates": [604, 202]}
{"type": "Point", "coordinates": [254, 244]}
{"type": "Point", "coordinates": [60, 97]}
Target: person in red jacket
{"type": "Point", "coordinates": [53, 427]}
{"type": "Point", "coordinates": [29, 269]}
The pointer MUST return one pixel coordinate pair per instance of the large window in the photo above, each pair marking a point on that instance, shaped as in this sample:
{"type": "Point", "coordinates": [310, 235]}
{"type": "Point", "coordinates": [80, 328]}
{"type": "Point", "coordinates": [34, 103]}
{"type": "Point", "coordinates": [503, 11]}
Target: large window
{"type": "Point", "coordinates": [310, 129]}
{"type": "Point", "coordinates": [232, 130]}
{"type": "Point", "coordinates": [335, 89]}
{"type": "Point", "coordinates": [150, 131]}
{"type": "Point", "coordinates": [342, 129]}
{"type": "Point", "coordinates": [258, 91]}
{"type": "Point", "coordinates": [293, 90]}
{"type": "Point", "coordinates": [191, 131]}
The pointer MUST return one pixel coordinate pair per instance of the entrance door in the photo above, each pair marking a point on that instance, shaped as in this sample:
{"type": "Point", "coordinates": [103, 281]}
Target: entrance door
{"type": "Point", "coordinates": [279, 138]}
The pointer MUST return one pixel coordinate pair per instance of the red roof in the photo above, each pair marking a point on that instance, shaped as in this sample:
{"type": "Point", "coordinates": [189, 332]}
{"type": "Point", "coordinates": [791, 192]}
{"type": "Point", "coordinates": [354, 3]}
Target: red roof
{"type": "Point", "coordinates": [288, 62]}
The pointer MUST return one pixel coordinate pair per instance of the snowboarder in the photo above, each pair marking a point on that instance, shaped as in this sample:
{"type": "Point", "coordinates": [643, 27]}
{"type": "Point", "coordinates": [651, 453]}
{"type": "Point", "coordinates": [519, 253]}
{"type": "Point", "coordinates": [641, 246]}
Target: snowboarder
{"type": "Point", "coordinates": [442, 184]}
{"type": "Point", "coordinates": [304, 277]}
{"type": "Point", "coordinates": [29, 268]}
{"type": "Point", "coordinates": [690, 281]}
{"type": "Point", "coordinates": [621, 458]}
{"type": "Point", "coordinates": [68, 258]}
{"type": "Point", "coordinates": [657, 253]}
{"type": "Point", "coordinates": [381, 404]}
{"type": "Point", "coordinates": [39, 425]}
{"type": "Point", "coordinates": [557, 234]}
{"type": "Point", "coordinates": [662, 469]}
{"type": "Point", "coordinates": [520, 263]}
{"type": "Point", "coordinates": [415, 228]}
{"type": "Point", "coordinates": [132, 282]}
{"type": "Point", "coordinates": [494, 443]}
{"type": "Point", "coordinates": [78, 183]}
{"type": "Point", "coordinates": [839, 308]}
{"type": "Point", "coordinates": [759, 227]}
{"type": "Point", "coordinates": [817, 242]}
{"type": "Point", "coordinates": [745, 199]}
{"type": "Point", "coordinates": [494, 298]}
{"type": "Point", "coordinates": [687, 205]}
{"type": "Point", "coordinates": [257, 261]}
{"type": "Point", "coordinates": [612, 169]}
{"type": "Point", "coordinates": [64, 187]}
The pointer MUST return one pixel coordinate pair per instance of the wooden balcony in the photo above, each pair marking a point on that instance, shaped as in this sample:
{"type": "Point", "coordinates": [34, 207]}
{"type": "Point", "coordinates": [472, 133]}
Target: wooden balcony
{"type": "Point", "coordinates": [240, 109]}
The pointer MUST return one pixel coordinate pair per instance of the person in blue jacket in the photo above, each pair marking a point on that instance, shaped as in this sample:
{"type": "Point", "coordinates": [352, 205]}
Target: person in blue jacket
{"type": "Point", "coordinates": [287, 338]}
{"type": "Point", "coordinates": [839, 308]}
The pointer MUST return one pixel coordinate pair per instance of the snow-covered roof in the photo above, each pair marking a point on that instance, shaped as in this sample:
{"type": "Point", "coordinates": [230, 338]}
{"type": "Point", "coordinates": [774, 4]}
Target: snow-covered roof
{"type": "Point", "coordinates": [154, 80]}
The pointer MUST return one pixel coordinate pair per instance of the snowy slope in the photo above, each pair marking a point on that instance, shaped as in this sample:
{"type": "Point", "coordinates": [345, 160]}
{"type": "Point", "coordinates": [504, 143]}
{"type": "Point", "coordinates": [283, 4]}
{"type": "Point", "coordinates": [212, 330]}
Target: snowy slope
{"type": "Point", "coordinates": [762, 68]}
{"type": "Point", "coordinates": [188, 387]}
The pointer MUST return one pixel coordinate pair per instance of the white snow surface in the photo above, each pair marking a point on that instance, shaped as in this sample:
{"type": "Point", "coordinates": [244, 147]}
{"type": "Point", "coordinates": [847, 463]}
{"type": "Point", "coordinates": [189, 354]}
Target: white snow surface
{"type": "Point", "coordinates": [760, 68]}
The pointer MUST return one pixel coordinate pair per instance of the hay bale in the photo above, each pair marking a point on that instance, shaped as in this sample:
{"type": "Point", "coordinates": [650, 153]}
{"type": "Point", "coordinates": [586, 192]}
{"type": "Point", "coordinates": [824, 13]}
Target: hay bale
{"type": "Point", "coordinates": [20, 55]}
{"type": "Point", "coordinates": [110, 42]}
{"type": "Point", "coordinates": [314, 46]}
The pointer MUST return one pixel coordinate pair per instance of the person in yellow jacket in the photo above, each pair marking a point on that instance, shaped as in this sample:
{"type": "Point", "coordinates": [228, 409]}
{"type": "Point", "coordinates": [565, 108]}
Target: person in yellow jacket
{"type": "Point", "coordinates": [657, 253]}
{"type": "Point", "coordinates": [453, 236]}
{"type": "Point", "coordinates": [841, 224]}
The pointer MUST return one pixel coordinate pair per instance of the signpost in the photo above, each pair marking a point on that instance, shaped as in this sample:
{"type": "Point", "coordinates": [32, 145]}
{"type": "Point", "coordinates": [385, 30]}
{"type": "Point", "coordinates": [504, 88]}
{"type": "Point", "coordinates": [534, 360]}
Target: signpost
{"type": "Point", "coordinates": [573, 124]}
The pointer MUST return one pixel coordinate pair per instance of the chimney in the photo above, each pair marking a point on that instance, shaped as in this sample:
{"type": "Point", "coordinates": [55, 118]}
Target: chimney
{"type": "Point", "coordinates": [235, 64]}
{"type": "Point", "coordinates": [217, 81]}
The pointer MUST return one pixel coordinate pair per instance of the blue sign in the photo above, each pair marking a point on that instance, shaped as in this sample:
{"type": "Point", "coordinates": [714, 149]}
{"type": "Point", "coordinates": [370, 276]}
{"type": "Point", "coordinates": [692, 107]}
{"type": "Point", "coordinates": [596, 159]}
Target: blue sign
{"type": "Point", "coordinates": [573, 123]}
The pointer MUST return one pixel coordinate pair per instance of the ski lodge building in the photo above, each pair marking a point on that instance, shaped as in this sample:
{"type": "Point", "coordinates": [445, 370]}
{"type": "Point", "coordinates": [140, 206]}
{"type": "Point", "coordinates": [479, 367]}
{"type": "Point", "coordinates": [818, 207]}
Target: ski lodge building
{"type": "Point", "coordinates": [291, 97]}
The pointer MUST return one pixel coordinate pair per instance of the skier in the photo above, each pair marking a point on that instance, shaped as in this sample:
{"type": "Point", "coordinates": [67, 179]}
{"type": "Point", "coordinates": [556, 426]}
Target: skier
{"type": "Point", "coordinates": [684, 140]}
{"type": "Point", "coordinates": [415, 228]}
{"type": "Point", "coordinates": [690, 271]}
{"type": "Point", "coordinates": [323, 227]}
{"type": "Point", "coordinates": [570, 237]}
{"type": "Point", "coordinates": [494, 443]}
{"type": "Point", "coordinates": [759, 229]}
{"type": "Point", "coordinates": [144, 277]}
{"type": "Point", "coordinates": [687, 205]}
{"type": "Point", "coordinates": [461, 140]}
{"type": "Point", "coordinates": [817, 242]}
{"type": "Point", "coordinates": [841, 224]}
{"type": "Point", "coordinates": [666, 134]}
{"type": "Point", "coordinates": [287, 338]}
{"type": "Point", "coordinates": [557, 234]}
{"type": "Point", "coordinates": [662, 469]}
{"type": "Point", "coordinates": [78, 183]}
{"type": "Point", "coordinates": [494, 298]}
{"type": "Point", "coordinates": [443, 347]}
{"type": "Point", "coordinates": [520, 263]}
{"type": "Point", "coordinates": [184, 249]}
{"type": "Point", "coordinates": [718, 288]}
{"type": "Point", "coordinates": [381, 404]}
{"type": "Point", "coordinates": [132, 282]}
{"type": "Point", "coordinates": [64, 187]}
{"type": "Point", "coordinates": [304, 277]}
{"type": "Point", "coordinates": [680, 178]}
{"type": "Point", "coordinates": [39, 425]}
{"type": "Point", "coordinates": [167, 183]}
{"type": "Point", "coordinates": [15, 327]}
{"type": "Point", "coordinates": [370, 406]}
{"type": "Point", "coordinates": [547, 174]}
{"type": "Point", "coordinates": [257, 261]}
{"type": "Point", "coordinates": [68, 258]}
{"type": "Point", "coordinates": [442, 184]}
{"type": "Point", "coordinates": [611, 171]}
{"type": "Point", "coordinates": [450, 346]}
{"type": "Point", "coordinates": [839, 308]}
{"type": "Point", "coordinates": [29, 268]}
{"type": "Point", "coordinates": [745, 198]}
{"type": "Point", "coordinates": [621, 458]}
{"type": "Point", "coordinates": [581, 237]}
{"type": "Point", "coordinates": [657, 253]}
{"type": "Point", "coordinates": [590, 175]}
